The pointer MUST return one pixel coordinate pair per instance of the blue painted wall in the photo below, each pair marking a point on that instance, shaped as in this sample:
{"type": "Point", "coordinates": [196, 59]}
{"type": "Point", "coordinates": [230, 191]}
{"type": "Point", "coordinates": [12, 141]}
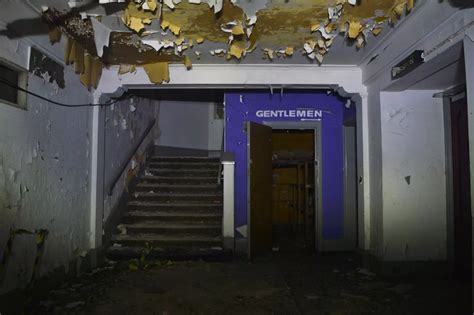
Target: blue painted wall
{"type": "Point", "coordinates": [241, 107]}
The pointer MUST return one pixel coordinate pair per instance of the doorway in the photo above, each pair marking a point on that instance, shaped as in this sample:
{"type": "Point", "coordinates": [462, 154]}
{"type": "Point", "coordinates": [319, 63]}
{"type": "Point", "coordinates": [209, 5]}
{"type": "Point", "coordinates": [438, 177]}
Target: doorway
{"type": "Point", "coordinates": [293, 197]}
{"type": "Point", "coordinates": [283, 202]}
{"type": "Point", "coordinates": [461, 202]}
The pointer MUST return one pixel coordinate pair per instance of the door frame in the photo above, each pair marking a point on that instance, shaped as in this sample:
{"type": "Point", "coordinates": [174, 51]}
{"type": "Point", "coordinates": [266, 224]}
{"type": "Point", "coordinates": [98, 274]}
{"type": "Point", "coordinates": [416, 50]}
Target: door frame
{"type": "Point", "coordinates": [306, 125]}
{"type": "Point", "coordinates": [448, 99]}
{"type": "Point", "coordinates": [351, 211]}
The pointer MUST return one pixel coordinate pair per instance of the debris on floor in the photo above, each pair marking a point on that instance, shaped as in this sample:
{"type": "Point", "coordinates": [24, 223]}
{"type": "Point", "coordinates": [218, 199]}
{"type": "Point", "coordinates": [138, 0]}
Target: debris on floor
{"type": "Point", "coordinates": [290, 283]}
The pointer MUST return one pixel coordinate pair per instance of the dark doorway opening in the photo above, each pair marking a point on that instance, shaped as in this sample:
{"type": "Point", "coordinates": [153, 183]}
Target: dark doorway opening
{"type": "Point", "coordinates": [461, 191]}
{"type": "Point", "coordinates": [293, 202]}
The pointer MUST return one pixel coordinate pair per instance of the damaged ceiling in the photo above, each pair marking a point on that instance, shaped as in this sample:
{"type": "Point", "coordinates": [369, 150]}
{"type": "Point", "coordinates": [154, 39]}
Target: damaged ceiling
{"type": "Point", "coordinates": [154, 33]}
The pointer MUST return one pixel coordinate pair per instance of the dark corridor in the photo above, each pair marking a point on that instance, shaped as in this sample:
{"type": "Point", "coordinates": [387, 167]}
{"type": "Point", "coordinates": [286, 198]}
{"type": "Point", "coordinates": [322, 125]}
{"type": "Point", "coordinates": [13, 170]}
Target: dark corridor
{"type": "Point", "coordinates": [293, 189]}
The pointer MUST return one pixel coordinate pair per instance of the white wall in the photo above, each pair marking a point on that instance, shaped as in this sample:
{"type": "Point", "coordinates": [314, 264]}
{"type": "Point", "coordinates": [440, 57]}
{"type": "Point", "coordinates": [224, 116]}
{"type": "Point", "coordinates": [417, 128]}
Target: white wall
{"type": "Point", "coordinates": [189, 125]}
{"type": "Point", "coordinates": [408, 222]}
{"type": "Point", "coordinates": [44, 173]}
{"type": "Point", "coordinates": [125, 123]}
{"type": "Point", "coordinates": [414, 179]}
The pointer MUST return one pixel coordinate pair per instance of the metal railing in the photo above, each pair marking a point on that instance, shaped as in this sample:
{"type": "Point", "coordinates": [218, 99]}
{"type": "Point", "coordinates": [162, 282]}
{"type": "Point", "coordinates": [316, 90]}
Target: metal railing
{"type": "Point", "coordinates": [130, 156]}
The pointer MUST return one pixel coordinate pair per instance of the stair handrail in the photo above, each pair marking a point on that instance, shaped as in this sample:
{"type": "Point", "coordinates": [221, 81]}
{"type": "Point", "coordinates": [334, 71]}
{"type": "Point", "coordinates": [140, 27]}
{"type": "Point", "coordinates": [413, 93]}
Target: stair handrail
{"type": "Point", "coordinates": [130, 156]}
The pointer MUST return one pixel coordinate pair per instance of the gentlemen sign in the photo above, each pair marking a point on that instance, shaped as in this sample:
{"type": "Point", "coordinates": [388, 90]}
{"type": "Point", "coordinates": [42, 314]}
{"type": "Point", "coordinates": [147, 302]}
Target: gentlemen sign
{"type": "Point", "coordinates": [297, 113]}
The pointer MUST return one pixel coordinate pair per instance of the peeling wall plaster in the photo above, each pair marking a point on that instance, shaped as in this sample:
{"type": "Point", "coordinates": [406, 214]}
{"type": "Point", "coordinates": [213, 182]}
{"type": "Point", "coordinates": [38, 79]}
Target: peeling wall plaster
{"type": "Point", "coordinates": [44, 177]}
{"type": "Point", "coordinates": [125, 124]}
{"type": "Point", "coordinates": [44, 163]}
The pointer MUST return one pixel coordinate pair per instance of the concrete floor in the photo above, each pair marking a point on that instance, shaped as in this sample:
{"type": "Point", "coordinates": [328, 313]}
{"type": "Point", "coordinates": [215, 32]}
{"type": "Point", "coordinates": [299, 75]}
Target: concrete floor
{"type": "Point", "coordinates": [289, 283]}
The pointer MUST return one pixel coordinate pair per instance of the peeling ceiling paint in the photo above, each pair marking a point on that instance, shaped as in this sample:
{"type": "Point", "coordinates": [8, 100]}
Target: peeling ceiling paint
{"type": "Point", "coordinates": [147, 32]}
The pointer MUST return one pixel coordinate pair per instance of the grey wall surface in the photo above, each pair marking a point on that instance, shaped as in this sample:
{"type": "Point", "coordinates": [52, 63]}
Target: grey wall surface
{"type": "Point", "coordinates": [44, 173]}
{"type": "Point", "coordinates": [189, 125]}
{"type": "Point", "coordinates": [125, 123]}
{"type": "Point", "coordinates": [408, 220]}
{"type": "Point", "coordinates": [414, 179]}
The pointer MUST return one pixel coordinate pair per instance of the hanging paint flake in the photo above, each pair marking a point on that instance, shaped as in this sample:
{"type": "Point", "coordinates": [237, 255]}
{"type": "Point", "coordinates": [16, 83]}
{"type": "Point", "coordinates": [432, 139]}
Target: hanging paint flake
{"type": "Point", "coordinates": [137, 15]}
{"type": "Point", "coordinates": [157, 72]}
{"type": "Point", "coordinates": [172, 37]}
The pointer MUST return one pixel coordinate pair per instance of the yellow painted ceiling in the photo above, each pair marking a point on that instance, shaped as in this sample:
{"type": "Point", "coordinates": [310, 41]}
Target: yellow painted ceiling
{"type": "Point", "coordinates": [282, 27]}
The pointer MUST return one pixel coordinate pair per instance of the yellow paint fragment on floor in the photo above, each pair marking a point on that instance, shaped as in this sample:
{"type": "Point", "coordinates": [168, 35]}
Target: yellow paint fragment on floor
{"type": "Point", "coordinates": [157, 72]}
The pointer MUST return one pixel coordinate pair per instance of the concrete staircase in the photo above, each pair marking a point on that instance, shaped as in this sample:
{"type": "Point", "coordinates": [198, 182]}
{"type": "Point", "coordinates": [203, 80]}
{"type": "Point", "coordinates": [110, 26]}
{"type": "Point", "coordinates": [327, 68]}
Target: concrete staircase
{"type": "Point", "coordinates": [174, 213]}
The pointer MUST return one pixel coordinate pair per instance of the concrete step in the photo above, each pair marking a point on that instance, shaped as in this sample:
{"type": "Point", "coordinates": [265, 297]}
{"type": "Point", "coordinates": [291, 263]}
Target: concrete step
{"type": "Point", "coordinates": [183, 172]}
{"type": "Point", "coordinates": [216, 253]}
{"type": "Point", "coordinates": [181, 206]}
{"type": "Point", "coordinates": [169, 188]}
{"type": "Point", "coordinates": [178, 197]}
{"type": "Point", "coordinates": [180, 180]}
{"type": "Point", "coordinates": [163, 240]}
{"type": "Point", "coordinates": [185, 159]}
{"type": "Point", "coordinates": [171, 228]}
{"type": "Point", "coordinates": [197, 216]}
{"type": "Point", "coordinates": [185, 165]}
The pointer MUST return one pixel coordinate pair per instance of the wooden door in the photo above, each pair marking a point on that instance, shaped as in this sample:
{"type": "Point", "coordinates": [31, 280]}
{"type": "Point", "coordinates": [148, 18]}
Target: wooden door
{"type": "Point", "coordinates": [461, 190]}
{"type": "Point", "coordinates": [260, 189]}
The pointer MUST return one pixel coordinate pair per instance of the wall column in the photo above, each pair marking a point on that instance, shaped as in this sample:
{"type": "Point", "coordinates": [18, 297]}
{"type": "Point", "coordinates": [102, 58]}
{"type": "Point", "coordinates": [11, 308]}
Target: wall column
{"type": "Point", "coordinates": [97, 174]}
{"type": "Point", "coordinates": [469, 64]}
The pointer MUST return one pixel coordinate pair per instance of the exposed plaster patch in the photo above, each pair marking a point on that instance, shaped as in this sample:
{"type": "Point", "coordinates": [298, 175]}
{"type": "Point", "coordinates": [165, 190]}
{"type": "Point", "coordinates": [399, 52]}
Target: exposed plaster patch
{"type": "Point", "coordinates": [46, 68]}
{"type": "Point", "coordinates": [408, 179]}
